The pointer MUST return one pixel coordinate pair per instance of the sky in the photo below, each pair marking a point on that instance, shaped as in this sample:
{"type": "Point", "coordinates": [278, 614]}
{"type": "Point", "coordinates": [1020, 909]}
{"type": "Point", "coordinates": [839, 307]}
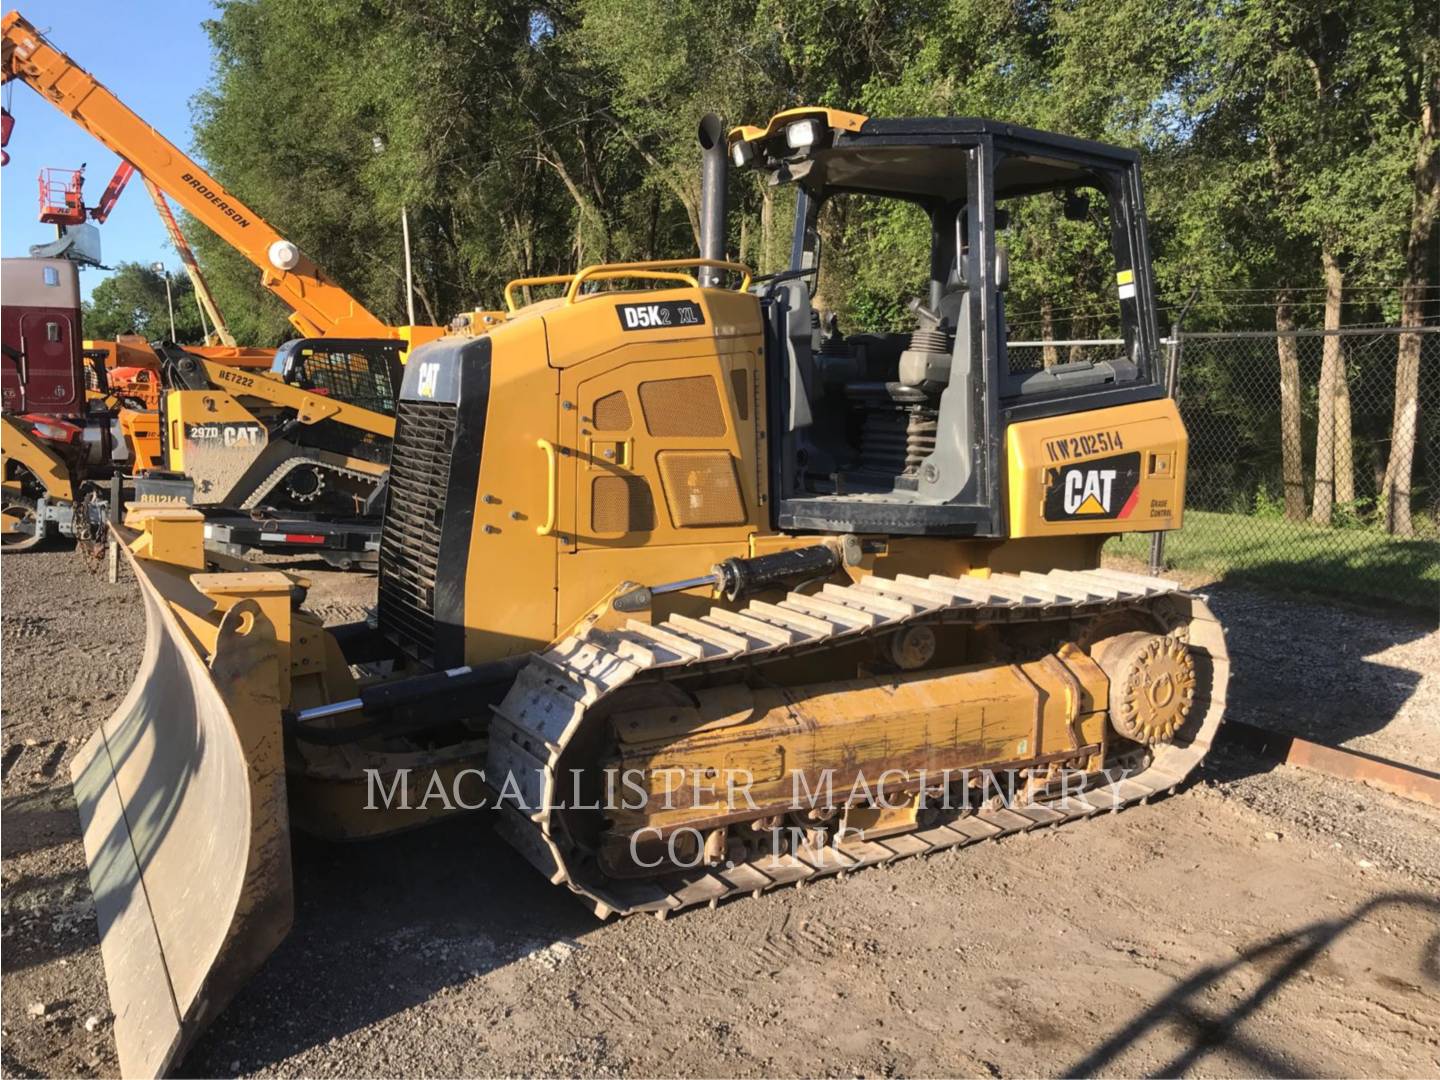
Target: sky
{"type": "Point", "coordinates": [154, 56]}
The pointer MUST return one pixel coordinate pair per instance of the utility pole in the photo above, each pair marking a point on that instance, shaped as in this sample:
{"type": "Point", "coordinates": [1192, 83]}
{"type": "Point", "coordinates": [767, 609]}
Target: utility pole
{"type": "Point", "coordinates": [409, 285]}
{"type": "Point", "coordinates": [377, 144]}
{"type": "Point", "coordinates": [159, 268]}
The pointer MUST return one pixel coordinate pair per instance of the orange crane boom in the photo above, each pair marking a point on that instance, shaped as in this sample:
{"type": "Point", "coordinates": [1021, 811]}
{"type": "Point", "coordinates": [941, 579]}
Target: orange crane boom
{"type": "Point", "coordinates": [321, 308]}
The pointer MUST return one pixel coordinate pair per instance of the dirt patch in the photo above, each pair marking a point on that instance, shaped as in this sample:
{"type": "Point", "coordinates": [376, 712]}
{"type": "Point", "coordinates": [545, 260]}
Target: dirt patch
{"type": "Point", "coordinates": [1263, 921]}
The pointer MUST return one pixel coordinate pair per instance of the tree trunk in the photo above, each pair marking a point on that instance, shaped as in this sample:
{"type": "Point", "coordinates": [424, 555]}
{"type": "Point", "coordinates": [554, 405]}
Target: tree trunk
{"type": "Point", "coordinates": [525, 238]}
{"type": "Point", "coordinates": [1344, 436]}
{"type": "Point", "coordinates": [1395, 494]}
{"type": "Point", "coordinates": [1292, 441]}
{"type": "Point", "coordinates": [425, 302]}
{"type": "Point", "coordinates": [583, 207]}
{"type": "Point", "coordinates": [1051, 354]}
{"type": "Point", "coordinates": [652, 236]}
{"type": "Point", "coordinates": [1425, 202]}
{"type": "Point", "coordinates": [1328, 438]}
{"type": "Point", "coordinates": [1079, 330]}
{"type": "Point", "coordinates": [599, 197]}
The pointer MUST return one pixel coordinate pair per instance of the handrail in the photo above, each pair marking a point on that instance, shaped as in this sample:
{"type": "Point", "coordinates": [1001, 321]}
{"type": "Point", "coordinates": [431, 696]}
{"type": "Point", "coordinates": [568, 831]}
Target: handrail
{"type": "Point", "coordinates": [658, 275]}
{"type": "Point", "coordinates": [609, 271]}
{"type": "Point", "coordinates": [524, 282]}
{"type": "Point", "coordinates": [551, 496]}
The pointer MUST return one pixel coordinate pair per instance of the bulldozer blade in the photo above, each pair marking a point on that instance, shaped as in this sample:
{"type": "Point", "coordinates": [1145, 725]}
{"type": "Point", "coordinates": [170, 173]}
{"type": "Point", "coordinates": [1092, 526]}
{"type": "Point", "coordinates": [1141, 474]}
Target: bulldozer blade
{"type": "Point", "coordinates": [181, 796]}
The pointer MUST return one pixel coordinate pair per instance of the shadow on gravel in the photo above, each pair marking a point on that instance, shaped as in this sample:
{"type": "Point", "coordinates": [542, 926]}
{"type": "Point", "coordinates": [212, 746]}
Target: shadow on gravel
{"type": "Point", "coordinates": [1284, 958]}
{"type": "Point", "coordinates": [1300, 667]}
{"type": "Point", "coordinates": [381, 926]}
{"type": "Point", "coordinates": [34, 820]}
{"type": "Point", "coordinates": [48, 917]}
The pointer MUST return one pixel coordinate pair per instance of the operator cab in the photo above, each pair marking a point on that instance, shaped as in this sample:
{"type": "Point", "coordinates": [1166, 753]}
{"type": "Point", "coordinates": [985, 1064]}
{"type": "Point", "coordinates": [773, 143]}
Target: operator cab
{"type": "Point", "coordinates": [359, 371]}
{"type": "Point", "coordinates": [891, 414]}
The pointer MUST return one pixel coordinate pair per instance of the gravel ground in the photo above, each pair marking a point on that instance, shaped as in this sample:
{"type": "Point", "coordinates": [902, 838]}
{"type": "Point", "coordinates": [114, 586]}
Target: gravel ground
{"type": "Point", "coordinates": [1262, 921]}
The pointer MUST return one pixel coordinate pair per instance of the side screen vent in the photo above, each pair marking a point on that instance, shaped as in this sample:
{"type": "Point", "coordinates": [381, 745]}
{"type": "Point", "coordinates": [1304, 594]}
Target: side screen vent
{"type": "Point", "coordinates": [701, 488]}
{"type": "Point", "coordinates": [621, 504]}
{"type": "Point", "coordinates": [682, 408]}
{"type": "Point", "coordinates": [612, 412]}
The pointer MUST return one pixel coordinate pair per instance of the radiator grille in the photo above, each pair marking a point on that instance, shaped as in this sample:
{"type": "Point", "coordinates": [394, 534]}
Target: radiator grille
{"type": "Point", "coordinates": [410, 539]}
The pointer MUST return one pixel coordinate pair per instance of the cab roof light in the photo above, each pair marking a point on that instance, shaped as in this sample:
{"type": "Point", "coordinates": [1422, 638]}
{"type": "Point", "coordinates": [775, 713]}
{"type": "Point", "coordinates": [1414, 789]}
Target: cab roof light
{"type": "Point", "coordinates": [802, 134]}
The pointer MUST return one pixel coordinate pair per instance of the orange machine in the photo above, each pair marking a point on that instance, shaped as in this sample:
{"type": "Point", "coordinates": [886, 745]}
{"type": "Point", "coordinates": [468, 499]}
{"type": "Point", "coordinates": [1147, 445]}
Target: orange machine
{"type": "Point", "coordinates": [126, 375]}
{"type": "Point", "coordinates": [321, 308]}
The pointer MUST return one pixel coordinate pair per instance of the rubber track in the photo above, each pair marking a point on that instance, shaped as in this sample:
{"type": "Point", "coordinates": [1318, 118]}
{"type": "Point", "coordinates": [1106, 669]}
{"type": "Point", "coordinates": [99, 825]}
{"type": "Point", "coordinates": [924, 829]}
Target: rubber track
{"type": "Point", "coordinates": [290, 465]}
{"type": "Point", "coordinates": [557, 690]}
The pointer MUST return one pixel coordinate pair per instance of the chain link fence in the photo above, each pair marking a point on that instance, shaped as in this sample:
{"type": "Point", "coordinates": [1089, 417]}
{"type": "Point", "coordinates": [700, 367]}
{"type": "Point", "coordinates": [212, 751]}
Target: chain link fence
{"type": "Point", "coordinates": [1302, 473]}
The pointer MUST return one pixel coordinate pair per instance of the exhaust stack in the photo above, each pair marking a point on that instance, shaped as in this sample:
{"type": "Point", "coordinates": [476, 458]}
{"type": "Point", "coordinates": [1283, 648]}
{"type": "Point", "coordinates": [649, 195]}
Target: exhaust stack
{"type": "Point", "coordinates": [712, 195]}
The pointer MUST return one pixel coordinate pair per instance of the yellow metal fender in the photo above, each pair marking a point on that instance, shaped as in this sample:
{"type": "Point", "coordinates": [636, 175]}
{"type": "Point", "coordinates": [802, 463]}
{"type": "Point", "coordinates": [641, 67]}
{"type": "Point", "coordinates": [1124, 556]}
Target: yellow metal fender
{"type": "Point", "coordinates": [182, 801]}
{"type": "Point", "coordinates": [48, 467]}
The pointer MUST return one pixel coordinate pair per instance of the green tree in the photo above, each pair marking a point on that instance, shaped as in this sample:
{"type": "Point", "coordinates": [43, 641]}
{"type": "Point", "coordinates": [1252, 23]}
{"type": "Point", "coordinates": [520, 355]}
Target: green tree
{"type": "Point", "coordinates": [132, 301]}
{"type": "Point", "coordinates": [482, 120]}
{"type": "Point", "coordinates": [1307, 99]}
{"type": "Point", "coordinates": [1289, 154]}
{"type": "Point", "coordinates": [1413, 49]}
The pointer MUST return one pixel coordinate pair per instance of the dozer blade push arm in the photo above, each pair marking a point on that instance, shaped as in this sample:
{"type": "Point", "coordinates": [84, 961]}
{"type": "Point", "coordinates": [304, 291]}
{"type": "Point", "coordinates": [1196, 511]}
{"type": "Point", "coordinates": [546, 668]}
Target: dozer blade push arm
{"type": "Point", "coordinates": [320, 306]}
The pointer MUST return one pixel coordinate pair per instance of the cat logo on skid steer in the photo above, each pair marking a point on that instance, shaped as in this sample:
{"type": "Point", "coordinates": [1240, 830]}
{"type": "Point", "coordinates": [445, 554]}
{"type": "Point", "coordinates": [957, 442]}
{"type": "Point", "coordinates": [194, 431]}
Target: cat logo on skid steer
{"type": "Point", "coordinates": [230, 436]}
{"type": "Point", "coordinates": [429, 379]}
{"type": "Point", "coordinates": [1099, 490]}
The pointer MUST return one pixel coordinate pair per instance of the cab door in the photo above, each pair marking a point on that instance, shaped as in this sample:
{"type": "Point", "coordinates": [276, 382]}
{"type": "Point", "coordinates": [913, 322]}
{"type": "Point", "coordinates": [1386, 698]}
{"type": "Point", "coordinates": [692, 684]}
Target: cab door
{"type": "Point", "coordinates": [41, 334]}
{"type": "Point", "coordinates": [664, 449]}
{"type": "Point", "coordinates": [49, 359]}
{"type": "Point", "coordinates": [661, 466]}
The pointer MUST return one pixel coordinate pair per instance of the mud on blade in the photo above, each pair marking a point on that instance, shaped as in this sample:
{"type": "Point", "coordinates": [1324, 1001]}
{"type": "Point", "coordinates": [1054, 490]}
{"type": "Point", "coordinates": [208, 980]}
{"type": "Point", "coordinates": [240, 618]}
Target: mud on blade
{"type": "Point", "coordinates": [181, 796]}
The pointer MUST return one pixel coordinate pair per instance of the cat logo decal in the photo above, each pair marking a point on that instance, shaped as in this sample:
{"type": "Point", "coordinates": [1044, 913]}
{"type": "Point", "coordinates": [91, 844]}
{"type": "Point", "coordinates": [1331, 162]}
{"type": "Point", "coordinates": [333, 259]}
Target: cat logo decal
{"type": "Point", "coordinates": [1102, 490]}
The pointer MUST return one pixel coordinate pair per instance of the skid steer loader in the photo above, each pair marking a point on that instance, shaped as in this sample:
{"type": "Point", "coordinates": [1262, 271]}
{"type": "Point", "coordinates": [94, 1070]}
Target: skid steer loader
{"type": "Point", "coordinates": [794, 594]}
{"type": "Point", "coordinates": [285, 450]}
{"type": "Point", "coordinates": [311, 435]}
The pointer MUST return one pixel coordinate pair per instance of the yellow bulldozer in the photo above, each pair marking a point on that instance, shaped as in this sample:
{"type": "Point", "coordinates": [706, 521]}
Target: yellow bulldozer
{"type": "Point", "coordinates": [698, 593]}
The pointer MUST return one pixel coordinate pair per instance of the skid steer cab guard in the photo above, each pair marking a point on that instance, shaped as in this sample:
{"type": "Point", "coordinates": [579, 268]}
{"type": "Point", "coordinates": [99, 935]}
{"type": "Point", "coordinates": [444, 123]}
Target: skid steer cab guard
{"type": "Point", "coordinates": [182, 802]}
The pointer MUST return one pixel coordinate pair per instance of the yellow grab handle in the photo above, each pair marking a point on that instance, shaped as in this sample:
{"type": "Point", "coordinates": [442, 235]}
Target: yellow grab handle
{"type": "Point", "coordinates": [520, 283]}
{"type": "Point", "coordinates": [610, 271]}
{"type": "Point", "coordinates": [657, 275]}
{"type": "Point", "coordinates": [551, 482]}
